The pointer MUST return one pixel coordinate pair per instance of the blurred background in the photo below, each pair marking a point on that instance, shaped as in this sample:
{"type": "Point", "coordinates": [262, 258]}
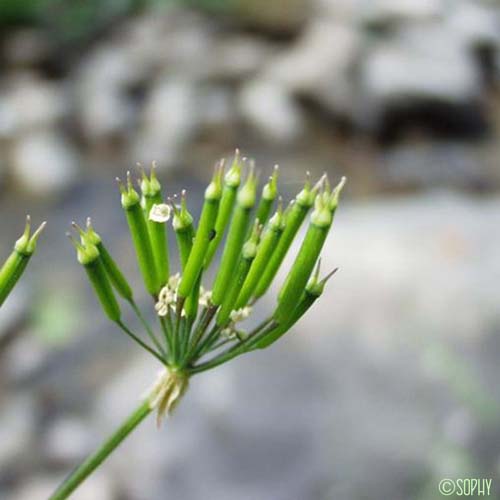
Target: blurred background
{"type": "Point", "coordinates": [391, 383]}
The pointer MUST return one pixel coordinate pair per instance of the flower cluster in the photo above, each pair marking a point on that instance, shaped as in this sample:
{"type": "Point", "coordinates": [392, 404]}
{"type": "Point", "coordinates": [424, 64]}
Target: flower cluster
{"type": "Point", "coordinates": [199, 328]}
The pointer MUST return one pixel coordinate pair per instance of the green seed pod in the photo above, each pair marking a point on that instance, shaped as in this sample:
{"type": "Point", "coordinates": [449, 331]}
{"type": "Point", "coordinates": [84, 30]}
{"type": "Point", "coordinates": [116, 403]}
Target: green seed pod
{"type": "Point", "coordinates": [312, 292]}
{"type": "Point", "coordinates": [264, 252]}
{"type": "Point", "coordinates": [140, 236]}
{"type": "Point", "coordinates": [305, 261]}
{"type": "Point", "coordinates": [269, 193]}
{"type": "Point", "coordinates": [16, 263]}
{"type": "Point", "coordinates": [88, 257]}
{"type": "Point", "coordinates": [232, 181]}
{"type": "Point", "coordinates": [203, 235]}
{"type": "Point", "coordinates": [184, 230]}
{"type": "Point", "coordinates": [115, 275]}
{"type": "Point", "coordinates": [333, 200]}
{"type": "Point", "coordinates": [248, 254]}
{"type": "Point", "coordinates": [245, 201]}
{"type": "Point", "coordinates": [155, 220]}
{"type": "Point", "coordinates": [294, 216]}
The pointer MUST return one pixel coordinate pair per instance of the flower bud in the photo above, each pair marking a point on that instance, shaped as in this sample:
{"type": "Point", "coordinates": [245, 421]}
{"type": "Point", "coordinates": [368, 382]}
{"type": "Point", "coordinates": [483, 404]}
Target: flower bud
{"type": "Point", "coordinates": [203, 235]}
{"type": "Point", "coordinates": [156, 214]}
{"type": "Point", "coordinates": [295, 215]}
{"type": "Point", "coordinates": [184, 230]}
{"type": "Point", "coordinates": [305, 261]}
{"type": "Point", "coordinates": [249, 252]}
{"type": "Point", "coordinates": [140, 236]}
{"type": "Point", "coordinates": [264, 251]}
{"type": "Point", "coordinates": [245, 200]}
{"type": "Point", "coordinates": [232, 181]}
{"type": "Point", "coordinates": [115, 275]}
{"type": "Point", "coordinates": [88, 256]}
{"type": "Point", "coordinates": [16, 263]}
{"type": "Point", "coordinates": [269, 193]}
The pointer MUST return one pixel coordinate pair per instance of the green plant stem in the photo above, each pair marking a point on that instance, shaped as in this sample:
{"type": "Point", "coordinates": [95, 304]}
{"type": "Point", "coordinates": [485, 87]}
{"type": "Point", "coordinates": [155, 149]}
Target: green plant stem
{"type": "Point", "coordinates": [134, 337]}
{"type": "Point", "coordinates": [237, 349]}
{"type": "Point", "coordinates": [96, 459]}
{"type": "Point", "coordinates": [148, 329]}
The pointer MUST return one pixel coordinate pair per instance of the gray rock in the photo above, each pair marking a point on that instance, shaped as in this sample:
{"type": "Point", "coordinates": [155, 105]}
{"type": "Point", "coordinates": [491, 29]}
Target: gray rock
{"type": "Point", "coordinates": [239, 56]}
{"type": "Point", "coordinates": [30, 102]}
{"type": "Point", "coordinates": [169, 120]}
{"type": "Point", "coordinates": [103, 106]}
{"type": "Point", "coordinates": [320, 65]}
{"type": "Point", "coordinates": [424, 63]}
{"type": "Point", "coordinates": [271, 110]}
{"type": "Point", "coordinates": [477, 24]}
{"type": "Point", "coordinates": [44, 163]}
{"type": "Point", "coordinates": [433, 164]}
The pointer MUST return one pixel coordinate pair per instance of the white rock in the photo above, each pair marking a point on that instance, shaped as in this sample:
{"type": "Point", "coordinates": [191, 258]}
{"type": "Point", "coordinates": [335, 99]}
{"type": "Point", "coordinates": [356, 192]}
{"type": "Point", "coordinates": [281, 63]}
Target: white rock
{"type": "Point", "coordinates": [477, 24]}
{"type": "Point", "coordinates": [271, 110]}
{"type": "Point", "coordinates": [320, 64]}
{"type": "Point", "coordinates": [103, 106]}
{"type": "Point", "coordinates": [44, 163]}
{"type": "Point", "coordinates": [425, 63]}
{"type": "Point", "coordinates": [239, 56]}
{"type": "Point", "coordinates": [169, 120]}
{"type": "Point", "coordinates": [216, 106]}
{"type": "Point", "coordinates": [28, 103]}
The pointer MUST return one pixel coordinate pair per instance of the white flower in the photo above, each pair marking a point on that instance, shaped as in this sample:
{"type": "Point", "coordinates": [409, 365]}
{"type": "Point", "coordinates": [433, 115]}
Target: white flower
{"type": "Point", "coordinates": [173, 281]}
{"type": "Point", "coordinates": [160, 213]}
{"type": "Point", "coordinates": [205, 297]}
{"type": "Point", "coordinates": [240, 314]}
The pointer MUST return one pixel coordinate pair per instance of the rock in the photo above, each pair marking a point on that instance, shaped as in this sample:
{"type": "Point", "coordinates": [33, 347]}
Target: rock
{"type": "Point", "coordinates": [442, 163]}
{"type": "Point", "coordinates": [239, 56]}
{"type": "Point", "coordinates": [426, 63]}
{"type": "Point", "coordinates": [26, 47]}
{"type": "Point", "coordinates": [105, 111]}
{"type": "Point", "coordinates": [44, 163]}
{"type": "Point", "coordinates": [320, 65]}
{"type": "Point", "coordinates": [271, 110]}
{"type": "Point", "coordinates": [476, 24]}
{"type": "Point", "coordinates": [169, 120]}
{"type": "Point", "coordinates": [30, 102]}
{"type": "Point", "coordinates": [68, 440]}
{"type": "Point", "coordinates": [216, 106]}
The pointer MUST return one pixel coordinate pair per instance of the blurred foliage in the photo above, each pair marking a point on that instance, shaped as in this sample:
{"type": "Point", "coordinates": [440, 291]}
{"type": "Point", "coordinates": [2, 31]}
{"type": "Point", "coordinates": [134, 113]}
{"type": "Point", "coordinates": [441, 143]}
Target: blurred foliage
{"type": "Point", "coordinates": [56, 316]}
{"type": "Point", "coordinates": [78, 20]}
